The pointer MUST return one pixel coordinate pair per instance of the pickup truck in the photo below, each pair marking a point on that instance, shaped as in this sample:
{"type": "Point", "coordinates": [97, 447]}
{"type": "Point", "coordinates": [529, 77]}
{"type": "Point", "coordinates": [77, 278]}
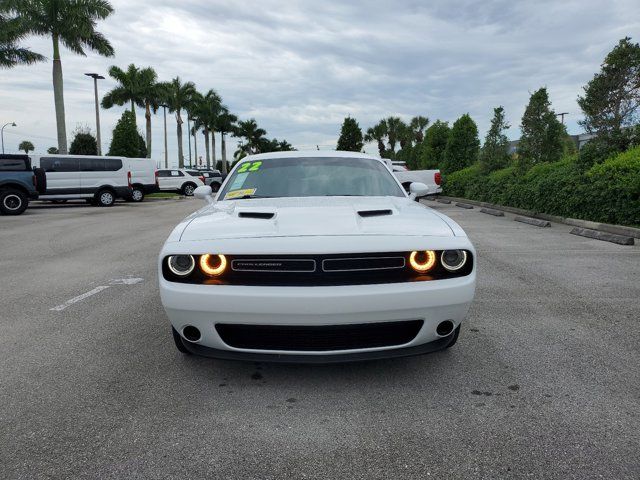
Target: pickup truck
{"type": "Point", "coordinates": [431, 178]}
{"type": "Point", "coordinates": [19, 183]}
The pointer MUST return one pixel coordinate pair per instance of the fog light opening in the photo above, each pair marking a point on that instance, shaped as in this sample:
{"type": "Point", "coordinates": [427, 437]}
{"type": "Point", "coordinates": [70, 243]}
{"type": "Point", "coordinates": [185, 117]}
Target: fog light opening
{"type": "Point", "coordinates": [191, 333]}
{"type": "Point", "coordinates": [444, 328]}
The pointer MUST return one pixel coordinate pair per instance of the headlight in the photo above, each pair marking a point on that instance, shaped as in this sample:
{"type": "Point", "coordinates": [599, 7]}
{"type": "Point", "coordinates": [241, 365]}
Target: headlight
{"type": "Point", "coordinates": [213, 265]}
{"type": "Point", "coordinates": [453, 260]}
{"type": "Point", "coordinates": [422, 261]}
{"type": "Point", "coordinates": [181, 265]}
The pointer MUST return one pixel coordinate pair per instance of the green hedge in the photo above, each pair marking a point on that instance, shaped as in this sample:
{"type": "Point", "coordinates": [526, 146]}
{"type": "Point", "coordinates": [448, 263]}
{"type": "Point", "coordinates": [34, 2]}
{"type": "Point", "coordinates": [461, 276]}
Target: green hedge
{"type": "Point", "coordinates": [607, 192]}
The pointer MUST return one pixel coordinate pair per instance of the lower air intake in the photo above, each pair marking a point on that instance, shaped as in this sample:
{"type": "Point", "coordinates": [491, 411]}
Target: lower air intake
{"type": "Point", "coordinates": [319, 338]}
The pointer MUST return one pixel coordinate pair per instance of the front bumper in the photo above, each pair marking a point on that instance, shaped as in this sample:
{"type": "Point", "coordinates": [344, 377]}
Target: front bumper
{"type": "Point", "coordinates": [203, 306]}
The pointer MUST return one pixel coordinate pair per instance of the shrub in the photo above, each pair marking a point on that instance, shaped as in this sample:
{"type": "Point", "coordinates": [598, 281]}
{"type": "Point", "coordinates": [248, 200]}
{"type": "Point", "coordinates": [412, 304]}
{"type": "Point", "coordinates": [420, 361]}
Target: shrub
{"type": "Point", "coordinates": [608, 192]}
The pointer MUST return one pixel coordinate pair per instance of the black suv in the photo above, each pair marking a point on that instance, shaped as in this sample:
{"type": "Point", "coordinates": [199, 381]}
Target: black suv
{"type": "Point", "coordinates": [19, 183]}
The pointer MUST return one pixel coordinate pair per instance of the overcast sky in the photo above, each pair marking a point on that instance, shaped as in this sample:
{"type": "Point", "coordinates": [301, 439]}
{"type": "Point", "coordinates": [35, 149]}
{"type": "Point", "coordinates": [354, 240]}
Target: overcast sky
{"type": "Point", "coordinates": [299, 68]}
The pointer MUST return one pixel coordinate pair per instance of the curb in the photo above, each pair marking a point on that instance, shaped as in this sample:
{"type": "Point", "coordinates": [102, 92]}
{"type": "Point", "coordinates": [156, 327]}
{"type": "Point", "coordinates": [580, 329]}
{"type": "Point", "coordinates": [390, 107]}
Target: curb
{"type": "Point", "coordinates": [492, 211]}
{"type": "Point", "coordinates": [464, 205]}
{"type": "Point", "coordinates": [604, 236]}
{"type": "Point", "coordinates": [533, 221]}
{"type": "Point", "coordinates": [446, 201]}
{"type": "Point", "coordinates": [575, 222]}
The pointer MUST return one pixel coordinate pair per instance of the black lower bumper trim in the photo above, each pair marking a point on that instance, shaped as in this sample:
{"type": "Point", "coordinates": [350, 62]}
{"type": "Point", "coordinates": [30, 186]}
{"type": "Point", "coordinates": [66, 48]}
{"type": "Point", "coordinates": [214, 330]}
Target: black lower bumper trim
{"type": "Point", "coordinates": [434, 346]}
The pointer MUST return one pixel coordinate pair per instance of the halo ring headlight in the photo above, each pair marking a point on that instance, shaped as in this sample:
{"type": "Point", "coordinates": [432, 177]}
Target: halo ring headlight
{"type": "Point", "coordinates": [453, 260]}
{"type": "Point", "coordinates": [213, 265]}
{"type": "Point", "coordinates": [422, 266]}
{"type": "Point", "coordinates": [181, 265]}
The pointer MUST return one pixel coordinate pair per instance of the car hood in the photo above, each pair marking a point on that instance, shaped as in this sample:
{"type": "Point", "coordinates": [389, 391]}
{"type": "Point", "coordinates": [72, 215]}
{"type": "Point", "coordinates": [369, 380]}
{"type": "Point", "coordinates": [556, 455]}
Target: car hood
{"type": "Point", "coordinates": [314, 216]}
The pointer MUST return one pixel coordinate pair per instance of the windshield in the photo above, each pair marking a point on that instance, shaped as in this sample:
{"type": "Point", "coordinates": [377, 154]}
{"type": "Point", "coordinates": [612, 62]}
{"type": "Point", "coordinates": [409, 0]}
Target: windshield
{"type": "Point", "coordinates": [310, 177]}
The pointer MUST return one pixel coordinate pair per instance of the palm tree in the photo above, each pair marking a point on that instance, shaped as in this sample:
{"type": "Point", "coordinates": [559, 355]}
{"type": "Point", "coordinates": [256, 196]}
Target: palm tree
{"type": "Point", "coordinates": [198, 115]}
{"type": "Point", "coordinates": [27, 146]}
{"type": "Point", "coordinates": [226, 123]}
{"type": "Point", "coordinates": [418, 125]}
{"type": "Point", "coordinates": [249, 130]}
{"type": "Point", "coordinates": [394, 130]}
{"type": "Point", "coordinates": [139, 87]}
{"type": "Point", "coordinates": [128, 89]}
{"type": "Point", "coordinates": [11, 31]}
{"type": "Point", "coordinates": [70, 22]}
{"type": "Point", "coordinates": [178, 96]}
{"type": "Point", "coordinates": [207, 109]}
{"type": "Point", "coordinates": [377, 133]}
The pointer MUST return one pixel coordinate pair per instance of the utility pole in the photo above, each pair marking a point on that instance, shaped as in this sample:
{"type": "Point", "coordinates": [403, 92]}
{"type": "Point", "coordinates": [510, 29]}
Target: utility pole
{"type": "Point", "coordinates": [13, 124]}
{"type": "Point", "coordinates": [166, 156]}
{"type": "Point", "coordinates": [189, 137]}
{"type": "Point", "coordinates": [96, 77]}
{"type": "Point", "coordinates": [561, 115]}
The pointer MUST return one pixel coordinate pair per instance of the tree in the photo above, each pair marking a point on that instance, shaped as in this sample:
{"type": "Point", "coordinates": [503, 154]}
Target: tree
{"type": "Point", "coordinates": [418, 124]}
{"type": "Point", "coordinates": [226, 123]}
{"type": "Point", "coordinates": [137, 87]}
{"type": "Point", "coordinates": [395, 129]}
{"type": "Point", "coordinates": [126, 140]}
{"type": "Point", "coordinates": [495, 151]}
{"type": "Point", "coordinates": [611, 99]}
{"type": "Point", "coordinates": [70, 22]}
{"type": "Point", "coordinates": [378, 133]}
{"type": "Point", "coordinates": [463, 145]}
{"type": "Point", "coordinates": [434, 145]}
{"type": "Point", "coordinates": [178, 96]}
{"type": "Point", "coordinates": [249, 130]}
{"type": "Point", "coordinates": [12, 30]}
{"type": "Point", "coordinates": [27, 146]}
{"type": "Point", "coordinates": [350, 139]}
{"type": "Point", "coordinates": [52, 151]}
{"type": "Point", "coordinates": [206, 111]}
{"type": "Point", "coordinates": [84, 143]}
{"type": "Point", "coordinates": [542, 132]}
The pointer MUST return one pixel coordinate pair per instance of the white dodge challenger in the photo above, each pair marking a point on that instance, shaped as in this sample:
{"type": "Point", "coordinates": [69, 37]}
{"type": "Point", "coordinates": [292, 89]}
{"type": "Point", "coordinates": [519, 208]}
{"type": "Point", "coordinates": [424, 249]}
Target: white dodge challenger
{"type": "Point", "coordinates": [315, 257]}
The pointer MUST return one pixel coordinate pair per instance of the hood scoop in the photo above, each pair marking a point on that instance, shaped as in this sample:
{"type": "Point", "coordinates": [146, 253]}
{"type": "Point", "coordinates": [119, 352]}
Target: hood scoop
{"type": "Point", "coordinates": [374, 213]}
{"type": "Point", "coordinates": [258, 215]}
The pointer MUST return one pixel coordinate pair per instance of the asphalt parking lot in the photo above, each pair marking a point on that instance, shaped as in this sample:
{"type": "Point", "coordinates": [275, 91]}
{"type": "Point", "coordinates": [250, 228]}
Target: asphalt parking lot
{"type": "Point", "coordinates": [543, 383]}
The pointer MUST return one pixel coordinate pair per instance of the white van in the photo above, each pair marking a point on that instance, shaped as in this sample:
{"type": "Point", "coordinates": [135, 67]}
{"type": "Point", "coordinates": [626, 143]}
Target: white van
{"type": "Point", "coordinates": [144, 177]}
{"type": "Point", "coordinates": [99, 180]}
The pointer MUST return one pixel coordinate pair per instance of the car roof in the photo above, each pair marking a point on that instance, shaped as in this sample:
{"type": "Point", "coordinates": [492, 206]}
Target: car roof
{"type": "Point", "coordinates": [310, 154]}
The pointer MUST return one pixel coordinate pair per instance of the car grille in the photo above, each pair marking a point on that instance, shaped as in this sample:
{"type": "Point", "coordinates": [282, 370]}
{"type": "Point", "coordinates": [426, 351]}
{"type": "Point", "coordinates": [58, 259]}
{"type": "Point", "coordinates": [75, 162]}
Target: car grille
{"type": "Point", "coordinates": [319, 338]}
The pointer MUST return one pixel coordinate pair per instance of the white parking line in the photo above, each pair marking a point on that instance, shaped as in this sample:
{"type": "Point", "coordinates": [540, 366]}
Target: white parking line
{"type": "Point", "coordinates": [125, 281]}
{"type": "Point", "coordinates": [79, 298]}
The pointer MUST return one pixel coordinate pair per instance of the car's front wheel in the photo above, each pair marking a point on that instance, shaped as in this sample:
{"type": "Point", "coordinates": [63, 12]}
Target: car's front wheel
{"type": "Point", "coordinates": [453, 341]}
{"type": "Point", "coordinates": [179, 343]}
{"type": "Point", "coordinates": [13, 202]}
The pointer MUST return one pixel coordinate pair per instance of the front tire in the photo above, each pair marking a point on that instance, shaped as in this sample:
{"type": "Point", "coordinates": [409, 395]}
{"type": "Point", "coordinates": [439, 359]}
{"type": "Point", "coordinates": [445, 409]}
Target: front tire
{"type": "Point", "coordinates": [188, 189]}
{"type": "Point", "coordinates": [178, 341]}
{"type": "Point", "coordinates": [105, 198]}
{"type": "Point", "coordinates": [456, 333]}
{"type": "Point", "coordinates": [13, 202]}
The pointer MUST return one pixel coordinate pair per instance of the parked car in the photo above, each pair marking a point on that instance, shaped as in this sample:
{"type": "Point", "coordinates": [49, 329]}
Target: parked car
{"type": "Point", "coordinates": [19, 183]}
{"type": "Point", "coordinates": [179, 180]}
{"type": "Point", "coordinates": [431, 178]}
{"type": "Point", "coordinates": [144, 178]}
{"type": "Point", "coordinates": [315, 257]}
{"type": "Point", "coordinates": [98, 180]}
{"type": "Point", "coordinates": [213, 178]}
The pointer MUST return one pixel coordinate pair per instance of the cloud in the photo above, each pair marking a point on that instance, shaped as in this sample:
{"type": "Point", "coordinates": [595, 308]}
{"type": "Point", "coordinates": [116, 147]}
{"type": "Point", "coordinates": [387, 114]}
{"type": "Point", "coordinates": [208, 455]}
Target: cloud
{"type": "Point", "coordinates": [300, 67]}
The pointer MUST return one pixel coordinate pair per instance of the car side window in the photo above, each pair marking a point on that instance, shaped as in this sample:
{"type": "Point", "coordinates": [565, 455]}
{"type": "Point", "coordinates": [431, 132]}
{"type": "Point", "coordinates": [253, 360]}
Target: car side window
{"type": "Point", "coordinates": [112, 164]}
{"type": "Point", "coordinates": [60, 164]}
{"type": "Point", "coordinates": [177, 173]}
{"type": "Point", "coordinates": [163, 173]}
{"type": "Point", "coordinates": [13, 165]}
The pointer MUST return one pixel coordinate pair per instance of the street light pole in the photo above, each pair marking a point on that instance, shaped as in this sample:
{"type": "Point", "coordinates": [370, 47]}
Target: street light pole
{"type": "Point", "coordinates": [166, 156]}
{"type": "Point", "coordinates": [13, 124]}
{"type": "Point", "coordinates": [561, 115]}
{"type": "Point", "coordinates": [189, 137]}
{"type": "Point", "coordinates": [97, 77]}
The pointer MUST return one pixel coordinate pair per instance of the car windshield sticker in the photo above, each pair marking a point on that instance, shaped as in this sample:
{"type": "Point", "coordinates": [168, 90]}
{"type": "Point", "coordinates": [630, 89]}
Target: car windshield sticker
{"type": "Point", "coordinates": [239, 181]}
{"type": "Point", "coordinates": [249, 167]}
{"type": "Point", "coordinates": [239, 193]}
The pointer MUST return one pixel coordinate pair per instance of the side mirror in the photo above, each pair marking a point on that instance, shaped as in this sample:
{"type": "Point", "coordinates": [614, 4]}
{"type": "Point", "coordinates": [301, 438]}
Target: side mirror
{"type": "Point", "coordinates": [417, 190]}
{"type": "Point", "coordinates": [204, 193]}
